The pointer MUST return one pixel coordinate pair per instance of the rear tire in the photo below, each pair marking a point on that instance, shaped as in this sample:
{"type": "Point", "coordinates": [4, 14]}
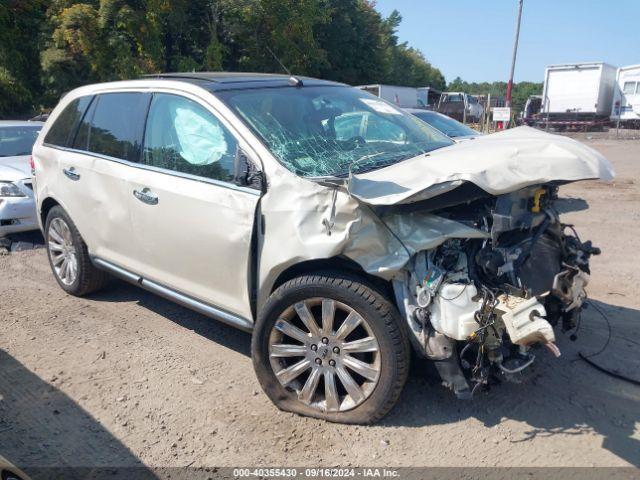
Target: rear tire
{"type": "Point", "coordinates": [347, 378]}
{"type": "Point", "coordinates": [68, 256]}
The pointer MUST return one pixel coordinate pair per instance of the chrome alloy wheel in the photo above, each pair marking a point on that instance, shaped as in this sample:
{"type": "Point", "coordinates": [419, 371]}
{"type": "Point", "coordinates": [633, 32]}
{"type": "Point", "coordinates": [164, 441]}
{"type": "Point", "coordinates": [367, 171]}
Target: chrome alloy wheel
{"type": "Point", "coordinates": [61, 251]}
{"type": "Point", "coordinates": [332, 367]}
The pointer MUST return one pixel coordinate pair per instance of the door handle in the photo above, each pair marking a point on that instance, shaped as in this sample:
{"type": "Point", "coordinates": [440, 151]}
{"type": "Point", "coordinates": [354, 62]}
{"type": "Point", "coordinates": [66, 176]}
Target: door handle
{"type": "Point", "coordinates": [71, 173]}
{"type": "Point", "coordinates": [146, 196]}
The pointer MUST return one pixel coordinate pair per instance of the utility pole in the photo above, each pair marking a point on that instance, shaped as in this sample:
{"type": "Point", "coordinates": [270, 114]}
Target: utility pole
{"type": "Point", "coordinates": [515, 52]}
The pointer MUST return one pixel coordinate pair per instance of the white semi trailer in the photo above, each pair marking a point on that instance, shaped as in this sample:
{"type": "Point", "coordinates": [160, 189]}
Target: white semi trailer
{"type": "Point", "coordinates": [405, 97]}
{"type": "Point", "coordinates": [626, 97]}
{"type": "Point", "coordinates": [577, 95]}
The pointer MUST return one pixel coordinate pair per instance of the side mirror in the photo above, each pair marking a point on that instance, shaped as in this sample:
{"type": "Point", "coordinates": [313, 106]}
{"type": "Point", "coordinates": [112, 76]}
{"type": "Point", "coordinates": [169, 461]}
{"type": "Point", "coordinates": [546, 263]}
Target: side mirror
{"type": "Point", "coordinates": [246, 173]}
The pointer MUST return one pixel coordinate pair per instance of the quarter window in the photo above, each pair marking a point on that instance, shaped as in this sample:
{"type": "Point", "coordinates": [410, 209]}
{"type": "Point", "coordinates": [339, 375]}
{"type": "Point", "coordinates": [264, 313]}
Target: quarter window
{"type": "Point", "coordinates": [183, 136]}
{"type": "Point", "coordinates": [81, 140]}
{"type": "Point", "coordinates": [115, 125]}
{"type": "Point", "coordinates": [60, 132]}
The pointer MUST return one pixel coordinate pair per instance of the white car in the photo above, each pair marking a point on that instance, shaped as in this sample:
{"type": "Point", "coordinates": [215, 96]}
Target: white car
{"type": "Point", "coordinates": [17, 204]}
{"type": "Point", "coordinates": [453, 129]}
{"type": "Point", "coordinates": [337, 228]}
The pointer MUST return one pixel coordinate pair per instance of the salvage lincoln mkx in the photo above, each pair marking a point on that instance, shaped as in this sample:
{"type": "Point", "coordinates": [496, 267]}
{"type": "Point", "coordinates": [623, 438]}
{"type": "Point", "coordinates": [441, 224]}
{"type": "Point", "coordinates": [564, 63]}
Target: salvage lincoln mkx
{"type": "Point", "coordinates": [337, 228]}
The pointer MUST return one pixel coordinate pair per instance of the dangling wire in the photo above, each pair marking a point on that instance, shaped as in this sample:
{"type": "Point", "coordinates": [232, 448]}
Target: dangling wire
{"type": "Point", "coordinates": [587, 358]}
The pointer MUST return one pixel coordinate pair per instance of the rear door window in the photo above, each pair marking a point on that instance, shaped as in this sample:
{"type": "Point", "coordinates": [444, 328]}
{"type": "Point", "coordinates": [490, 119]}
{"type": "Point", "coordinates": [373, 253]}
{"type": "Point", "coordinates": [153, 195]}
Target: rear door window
{"type": "Point", "coordinates": [113, 127]}
{"type": "Point", "coordinates": [183, 136]}
{"type": "Point", "coordinates": [61, 132]}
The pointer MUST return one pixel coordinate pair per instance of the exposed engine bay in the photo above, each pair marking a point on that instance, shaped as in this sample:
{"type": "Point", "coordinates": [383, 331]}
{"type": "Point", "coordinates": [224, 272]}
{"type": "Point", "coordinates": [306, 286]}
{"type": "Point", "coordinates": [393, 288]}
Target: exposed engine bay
{"type": "Point", "coordinates": [479, 307]}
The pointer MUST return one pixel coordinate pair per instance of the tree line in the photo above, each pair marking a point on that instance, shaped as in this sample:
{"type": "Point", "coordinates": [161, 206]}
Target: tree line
{"type": "Point", "coordinates": [48, 47]}
{"type": "Point", "coordinates": [521, 91]}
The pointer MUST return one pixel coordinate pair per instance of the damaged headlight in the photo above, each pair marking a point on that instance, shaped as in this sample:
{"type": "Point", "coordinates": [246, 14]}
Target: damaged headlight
{"type": "Point", "coordinates": [10, 189]}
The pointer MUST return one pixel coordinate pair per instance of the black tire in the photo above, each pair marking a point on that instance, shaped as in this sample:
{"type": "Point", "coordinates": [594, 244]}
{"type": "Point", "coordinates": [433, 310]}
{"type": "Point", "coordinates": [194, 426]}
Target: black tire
{"type": "Point", "coordinates": [89, 279]}
{"type": "Point", "coordinates": [381, 316]}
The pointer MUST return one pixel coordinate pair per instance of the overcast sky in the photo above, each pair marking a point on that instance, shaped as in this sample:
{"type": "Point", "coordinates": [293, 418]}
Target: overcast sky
{"type": "Point", "coordinates": [473, 39]}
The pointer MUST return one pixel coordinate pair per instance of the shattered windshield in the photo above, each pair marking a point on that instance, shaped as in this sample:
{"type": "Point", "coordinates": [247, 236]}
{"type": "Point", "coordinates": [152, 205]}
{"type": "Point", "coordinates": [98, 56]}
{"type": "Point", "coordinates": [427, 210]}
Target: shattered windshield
{"type": "Point", "coordinates": [331, 130]}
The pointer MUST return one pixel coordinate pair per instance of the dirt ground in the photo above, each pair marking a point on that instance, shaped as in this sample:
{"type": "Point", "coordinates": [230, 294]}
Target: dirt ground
{"type": "Point", "coordinates": [125, 377]}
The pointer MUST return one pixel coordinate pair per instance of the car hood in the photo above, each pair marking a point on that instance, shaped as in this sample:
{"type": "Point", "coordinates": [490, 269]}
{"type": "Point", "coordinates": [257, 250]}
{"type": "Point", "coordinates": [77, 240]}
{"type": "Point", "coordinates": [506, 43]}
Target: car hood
{"type": "Point", "coordinates": [14, 168]}
{"type": "Point", "coordinates": [499, 163]}
{"type": "Point", "coordinates": [464, 138]}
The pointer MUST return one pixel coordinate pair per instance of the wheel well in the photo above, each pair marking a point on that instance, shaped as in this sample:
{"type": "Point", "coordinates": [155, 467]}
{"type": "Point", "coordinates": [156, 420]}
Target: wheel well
{"type": "Point", "coordinates": [334, 263]}
{"type": "Point", "coordinates": [47, 204]}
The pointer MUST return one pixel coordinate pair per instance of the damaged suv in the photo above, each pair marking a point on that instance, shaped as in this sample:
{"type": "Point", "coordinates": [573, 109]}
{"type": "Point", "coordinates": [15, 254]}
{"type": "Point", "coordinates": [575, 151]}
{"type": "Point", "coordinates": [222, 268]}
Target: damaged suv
{"type": "Point", "coordinates": [340, 230]}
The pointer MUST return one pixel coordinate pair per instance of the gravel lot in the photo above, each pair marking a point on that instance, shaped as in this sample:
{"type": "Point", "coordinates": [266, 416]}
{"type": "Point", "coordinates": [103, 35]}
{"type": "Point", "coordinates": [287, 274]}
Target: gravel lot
{"type": "Point", "coordinates": [125, 377]}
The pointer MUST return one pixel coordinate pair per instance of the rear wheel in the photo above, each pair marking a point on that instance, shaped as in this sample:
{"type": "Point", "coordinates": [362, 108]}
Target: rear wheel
{"type": "Point", "coordinates": [68, 255]}
{"type": "Point", "coordinates": [331, 347]}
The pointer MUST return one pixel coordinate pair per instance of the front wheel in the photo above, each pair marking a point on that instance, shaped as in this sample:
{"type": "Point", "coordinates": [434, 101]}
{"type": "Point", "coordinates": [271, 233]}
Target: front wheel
{"type": "Point", "coordinates": [331, 347]}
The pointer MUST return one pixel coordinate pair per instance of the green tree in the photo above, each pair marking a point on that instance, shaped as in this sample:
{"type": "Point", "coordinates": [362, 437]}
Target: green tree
{"type": "Point", "coordinates": [351, 40]}
{"type": "Point", "coordinates": [521, 91]}
{"type": "Point", "coordinates": [51, 46]}
{"type": "Point", "coordinates": [20, 44]}
{"type": "Point", "coordinates": [286, 27]}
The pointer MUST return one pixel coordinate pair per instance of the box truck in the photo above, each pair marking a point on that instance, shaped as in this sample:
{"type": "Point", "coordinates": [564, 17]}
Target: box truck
{"type": "Point", "coordinates": [405, 97]}
{"type": "Point", "coordinates": [626, 97]}
{"type": "Point", "coordinates": [577, 95]}
{"type": "Point", "coordinates": [428, 97]}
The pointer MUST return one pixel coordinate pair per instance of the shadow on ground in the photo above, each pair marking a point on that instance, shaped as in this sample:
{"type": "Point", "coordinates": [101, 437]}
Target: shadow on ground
{"type": "Point", "coordinates": [563, 396]}
{"type": "Point", "coordinates": [41, 428]}
{"type": "Point", "coordinates": [19, 242]}
{"type": "Point", "coordinates": [569, 204]}
{"type": "Point", "coordinates": [218, 332]}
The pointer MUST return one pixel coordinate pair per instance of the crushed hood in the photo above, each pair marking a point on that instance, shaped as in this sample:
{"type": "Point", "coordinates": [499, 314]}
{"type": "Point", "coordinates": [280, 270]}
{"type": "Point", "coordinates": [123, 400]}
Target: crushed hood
{"type": "Point", "coordinates": [499, 163]}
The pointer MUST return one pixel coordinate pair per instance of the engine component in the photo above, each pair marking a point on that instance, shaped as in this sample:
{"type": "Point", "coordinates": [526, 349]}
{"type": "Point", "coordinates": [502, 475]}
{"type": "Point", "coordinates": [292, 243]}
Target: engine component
{"type": "Point", "coordinates": [426, 291]}
{"type": "Point", "coordinates": [524, 320]}
{"type": "Point", "coordinates": [521, 210]}
{"type": "Point", "coordinates": [477, 305]}
{"type": "Point", "coordinates": [423, 297]}
{"type": "Point", "coordinates": [453, 377]}
{"type": "Point", "coordinates": [569, 286]}
{"type": "Point", "coordinates": [453, 310]}
{"type": "Point", "coordinates": [521, 264]}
